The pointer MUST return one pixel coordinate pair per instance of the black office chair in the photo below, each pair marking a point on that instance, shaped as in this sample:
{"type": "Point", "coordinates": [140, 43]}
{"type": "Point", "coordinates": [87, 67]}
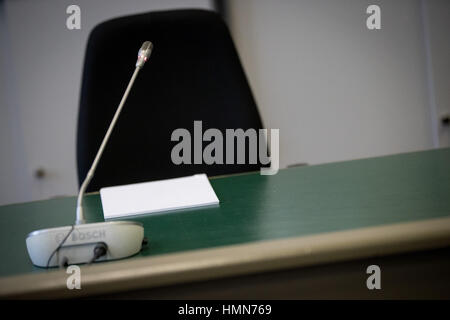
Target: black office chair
{"type": "Point", "coordinates": [194, 73]}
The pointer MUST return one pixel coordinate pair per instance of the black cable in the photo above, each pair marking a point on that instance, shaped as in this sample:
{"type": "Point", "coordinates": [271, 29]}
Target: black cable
{"type": "Point", "coordinates": [64, 263]}
{"type": "Point", "coordinates": [60, 245]}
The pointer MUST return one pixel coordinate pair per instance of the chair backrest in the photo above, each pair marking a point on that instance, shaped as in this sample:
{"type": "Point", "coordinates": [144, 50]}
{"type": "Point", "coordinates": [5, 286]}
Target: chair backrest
{"type": "Point", "coordinates": [194, 73]}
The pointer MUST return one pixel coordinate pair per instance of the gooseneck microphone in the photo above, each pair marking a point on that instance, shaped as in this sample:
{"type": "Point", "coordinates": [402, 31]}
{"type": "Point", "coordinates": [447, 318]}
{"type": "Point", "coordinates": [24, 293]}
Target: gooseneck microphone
{"type": "Point", "coordinates": [89, 242]}
{"type": "Point", "coordinates": [143, 55]}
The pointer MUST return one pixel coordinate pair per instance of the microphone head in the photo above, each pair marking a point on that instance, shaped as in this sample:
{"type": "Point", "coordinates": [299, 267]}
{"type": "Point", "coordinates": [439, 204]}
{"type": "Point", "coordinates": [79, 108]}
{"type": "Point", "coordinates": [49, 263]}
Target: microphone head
{"type": "Point", "coordinates": [144, 53]}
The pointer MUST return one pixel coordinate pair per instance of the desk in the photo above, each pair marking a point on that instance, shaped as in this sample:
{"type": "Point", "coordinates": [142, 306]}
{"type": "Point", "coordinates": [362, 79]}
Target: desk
{"type": "Point", "coordinates": [300, 218]}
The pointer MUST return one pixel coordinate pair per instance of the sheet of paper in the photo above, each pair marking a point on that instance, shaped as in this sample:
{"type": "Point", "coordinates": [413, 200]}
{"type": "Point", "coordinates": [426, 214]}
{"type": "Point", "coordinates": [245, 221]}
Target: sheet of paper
{"type": "Point", "coordinates": [157, 196]}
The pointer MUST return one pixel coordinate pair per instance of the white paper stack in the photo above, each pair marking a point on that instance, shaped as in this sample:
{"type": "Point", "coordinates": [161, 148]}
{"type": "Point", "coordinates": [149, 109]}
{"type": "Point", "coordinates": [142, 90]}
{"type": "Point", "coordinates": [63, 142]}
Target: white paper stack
{"type": "Point", "coordinates": [157, 196]}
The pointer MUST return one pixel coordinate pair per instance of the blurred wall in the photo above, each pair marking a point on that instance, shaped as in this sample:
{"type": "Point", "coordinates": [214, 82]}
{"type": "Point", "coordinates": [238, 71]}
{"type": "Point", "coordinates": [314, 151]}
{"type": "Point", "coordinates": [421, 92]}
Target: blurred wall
{"type": "Point", "coordinates": [13, 178]}
{"type": "Point", "coordinates": [41, 64]}
{"type": "Point", "coordinates": [337, 90]}
{"type": "Point", "coordinates": [437, 23]}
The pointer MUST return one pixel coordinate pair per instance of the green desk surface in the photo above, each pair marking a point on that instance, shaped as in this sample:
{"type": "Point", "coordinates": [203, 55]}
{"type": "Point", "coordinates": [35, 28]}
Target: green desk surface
{"type": "Point", "coordinates": [295, 202]}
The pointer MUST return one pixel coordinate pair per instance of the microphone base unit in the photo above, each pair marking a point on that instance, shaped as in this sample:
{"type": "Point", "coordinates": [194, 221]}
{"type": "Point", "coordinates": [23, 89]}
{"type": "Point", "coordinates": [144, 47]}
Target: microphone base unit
{"type": "Point", "coordinates": [79, 243]}
{"type": "Point", "coordinates": [86, 243]}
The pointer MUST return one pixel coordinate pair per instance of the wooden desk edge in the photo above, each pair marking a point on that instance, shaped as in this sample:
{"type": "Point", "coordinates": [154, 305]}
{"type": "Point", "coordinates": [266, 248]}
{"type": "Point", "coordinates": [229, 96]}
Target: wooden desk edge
{"type": "Point", "coordinates": [205, 264]}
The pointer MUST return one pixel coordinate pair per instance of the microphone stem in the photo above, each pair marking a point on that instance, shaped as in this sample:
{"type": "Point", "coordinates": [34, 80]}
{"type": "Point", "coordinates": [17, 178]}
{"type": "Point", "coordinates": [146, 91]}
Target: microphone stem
{"type": "Point", "coordinates": [90, 174]}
